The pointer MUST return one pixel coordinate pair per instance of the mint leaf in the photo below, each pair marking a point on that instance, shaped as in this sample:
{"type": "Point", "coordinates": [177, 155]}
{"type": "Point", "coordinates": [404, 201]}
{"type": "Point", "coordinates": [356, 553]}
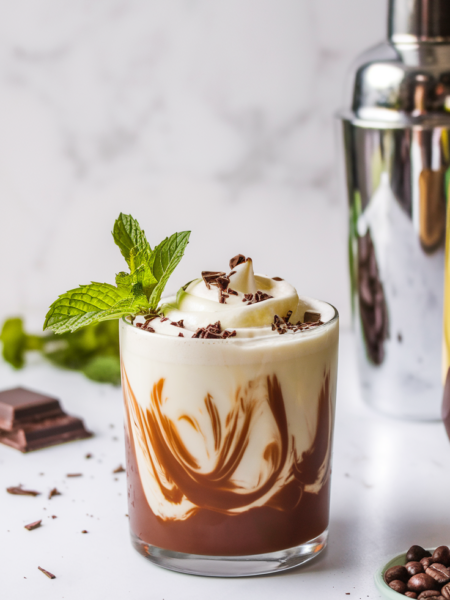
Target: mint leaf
{"type": "Point", "coordinates": [91, 303]}
{"type": "Point", "coordinates": [127, 234]}
{"type": "Point", "coordinates": [164, 260]}
{"type": "Point", "coordinates": [16, 342]}
{"type": "Point", "coordinates": [104, 369]}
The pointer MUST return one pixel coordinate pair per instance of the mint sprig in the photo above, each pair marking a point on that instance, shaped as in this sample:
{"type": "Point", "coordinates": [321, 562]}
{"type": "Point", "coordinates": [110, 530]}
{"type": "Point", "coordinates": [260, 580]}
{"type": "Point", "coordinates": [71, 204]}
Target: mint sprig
{"type": "Point", "coordinates": [136, 292]}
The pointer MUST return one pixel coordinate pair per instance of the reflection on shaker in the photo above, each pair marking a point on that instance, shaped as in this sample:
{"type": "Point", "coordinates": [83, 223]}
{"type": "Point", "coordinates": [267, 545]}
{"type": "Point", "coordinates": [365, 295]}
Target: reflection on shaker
{"type": "Point", "coordinates": [372, 302]}
{"type": "Point", "coordinates": [432, 208]}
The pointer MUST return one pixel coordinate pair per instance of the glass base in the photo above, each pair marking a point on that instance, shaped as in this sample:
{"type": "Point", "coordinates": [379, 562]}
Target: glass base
{"type": "Point", "coordinates": [232, 566]}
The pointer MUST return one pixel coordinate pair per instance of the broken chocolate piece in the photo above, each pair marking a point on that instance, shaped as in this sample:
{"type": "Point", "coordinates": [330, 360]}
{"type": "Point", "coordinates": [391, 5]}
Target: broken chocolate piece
{"type": "Point", "coordinates": [19, 491]}
{"type": "Point", "coordinates": [43, 434]}
{"type": "Point", "coordinates": [237, 260]}
{"type": "Point", "coordinates": [119, 469]}
{"type": "Point", "coordinates": [34, 525]}
{"type": "Point", "coordinates": [223, 282]}
{"type": "Point", "coordinates": [210, 277]}
{"type": "Point", "coordinates": [19, 406]}
{"type": "Point", "coordinates": [259, 297]}
{"type": "Point", "coordinates": [178, 323]}
{"type": "Point", "coordinates": [53, 492]}
{"type": "Point", "coordinates": [49, 575]}
{"type": "Point", "coordinates": [311, 317]}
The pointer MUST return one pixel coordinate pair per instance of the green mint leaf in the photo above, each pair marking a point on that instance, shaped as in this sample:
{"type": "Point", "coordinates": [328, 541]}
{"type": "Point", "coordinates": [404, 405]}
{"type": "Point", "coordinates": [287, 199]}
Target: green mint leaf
{"type": "Point", "coordinates": [127, 234]}
{"type": "Point", "coordinates": [104, 369]}
{"type": "Point", "coordinates": [14, 341]}
{"type": "Point", "coordinates": [164, 260]}
{"type": "Point", "coordinates": [91, 304]}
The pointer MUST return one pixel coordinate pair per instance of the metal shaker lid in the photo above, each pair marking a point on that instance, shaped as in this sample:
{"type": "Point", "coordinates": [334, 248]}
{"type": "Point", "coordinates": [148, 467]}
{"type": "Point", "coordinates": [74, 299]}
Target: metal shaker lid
{"type": "Point", "coordinates": [419, 20]}
{"type": "Point", "coordinates": [405, 81]}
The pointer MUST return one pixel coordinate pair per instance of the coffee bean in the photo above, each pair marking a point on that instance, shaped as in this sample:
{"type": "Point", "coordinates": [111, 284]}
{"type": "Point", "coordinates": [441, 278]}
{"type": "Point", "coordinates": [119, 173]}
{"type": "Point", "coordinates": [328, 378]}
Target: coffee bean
{"type": "Point", "coordinates": [445, 591]}
{"type": "Point", "coordinates": [439, 573]}
{"type": "Point", "coordinates": [398, 572]}
{"type": "Point", "coordinates": [442, 556]}
{"type": "Point", "coordinates": [411, 594]}
{"type": "Point", "coordinates": [430, 594]}
{"type": "Point", "coordinates": [415, 553]}
{"type": "Point", "coordinates": [414, 567]}
{"type": "Point", "coordinates": [398, 586]}
{"type": "Point", "coordinates": [426, 562]}
{"type": "Point", "coordinates": [421, 582]}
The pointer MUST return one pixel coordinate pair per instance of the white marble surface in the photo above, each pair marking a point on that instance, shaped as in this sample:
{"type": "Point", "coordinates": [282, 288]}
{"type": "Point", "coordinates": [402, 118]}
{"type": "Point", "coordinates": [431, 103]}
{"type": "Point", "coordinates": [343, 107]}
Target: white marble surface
{"type": "Point", "coordinates": [186, 113]}
{"type": "Point", "coordinates": [390, 489]}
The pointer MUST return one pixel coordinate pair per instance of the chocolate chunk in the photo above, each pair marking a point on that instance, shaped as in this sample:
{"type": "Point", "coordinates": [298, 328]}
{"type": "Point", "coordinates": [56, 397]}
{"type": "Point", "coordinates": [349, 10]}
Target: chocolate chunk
{"type": "Point", "coordinates": [20, 406]}
{"type": "Point", "coordinates": [19, 491]}
{"type": "Point", "coordinates": [34, 525]}
{"type": "Point", "coordinates": [74, 475]}
{"type": "Point", "coordinates": [446, 404]}
{"type": "Point", "coordinates": [49, 575]}
{"type": "Point", "coordinates": [53, 492]}
{"type": "Point", "coordinates": [237, 260]}
{"type": "Point", "coordinates": [43, 434]}
{"type": "Point", "coordinates": [210, 277]}
{"type": "Point", "coordinates": [119, 469]}
{"type": "Point", "coordinates": [311, 317]}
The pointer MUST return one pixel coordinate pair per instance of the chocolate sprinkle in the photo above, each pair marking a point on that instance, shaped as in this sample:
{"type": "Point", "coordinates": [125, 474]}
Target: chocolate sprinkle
{"type": "Point", "coordinates": [119, 469]}
{"type": "Point", "coordinates": [53, 492]}
{"type": "Point", "coordinates": [237, 260]}
{"type": "Point", "coordinates": [213, 331]}
{"type": "Point", "coordinates": [34, 525]}
{"type": "Point", "coordinates": [19, 491]}
{"type": "Point", "coordinates": [49, 575]}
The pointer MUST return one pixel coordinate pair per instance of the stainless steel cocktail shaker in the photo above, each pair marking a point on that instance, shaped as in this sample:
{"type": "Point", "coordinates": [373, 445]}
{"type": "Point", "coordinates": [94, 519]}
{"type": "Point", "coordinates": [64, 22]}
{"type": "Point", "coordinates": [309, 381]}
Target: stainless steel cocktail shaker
{"type": "Point", "coordinates": [397, 152]}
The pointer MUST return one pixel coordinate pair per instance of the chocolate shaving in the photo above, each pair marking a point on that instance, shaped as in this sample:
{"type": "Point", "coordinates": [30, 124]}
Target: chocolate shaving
{"type": "Point", "coordinates": [180, 335]}
{"type": "Point", "coordinates": [34, 525]}
{"type": "Point", "coordinates": [119, 469]}
{"type": "Point", "coordinates": [213, 331]}
{"type": "Point", "coordinates": [282, 325]}
{"type": "Point", "coordinates": [237, 260]}
{"type": "Point", "coordinates": [210, 277]}
{"type": "Point", "coordinates": [164, 319]}
{"type": "Point", "coordinates": [222, 282]}
{"type": "Point", "coordinates": [53, 492]}
{"type": "Point", "coordinates": [258, 297]}
{"type": "Point", "coordinates": [49, 575]}
{"type": "Point", "coordinates": [277, 279]}
{"type": "Point", "coordinates": [19, 491]}
{"type": "Point", "coordinates": [232, 273]}
{"type": "Point", "coordinates": [74, 475]}
{"type": "Point", "coordinates": [311, 317]}
{"type": "Point", "coordinates": [178, 323]}
{"type": "Point", "coordinates": [232, 292]}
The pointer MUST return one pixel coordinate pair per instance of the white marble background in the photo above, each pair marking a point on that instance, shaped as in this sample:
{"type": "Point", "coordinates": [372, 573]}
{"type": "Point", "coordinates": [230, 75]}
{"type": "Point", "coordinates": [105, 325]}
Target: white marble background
{"type": "Point", "coordinates": [212, 115]}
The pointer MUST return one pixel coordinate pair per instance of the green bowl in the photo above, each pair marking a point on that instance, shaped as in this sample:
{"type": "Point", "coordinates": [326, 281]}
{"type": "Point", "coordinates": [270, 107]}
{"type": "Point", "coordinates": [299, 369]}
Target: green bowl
{"type": "Point", "coordinates": [381, 585]}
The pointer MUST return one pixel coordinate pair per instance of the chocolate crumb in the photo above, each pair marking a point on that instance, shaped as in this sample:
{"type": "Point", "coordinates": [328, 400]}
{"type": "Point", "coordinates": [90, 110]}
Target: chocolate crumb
{"type": "Point", "coordinates": [119, 469]}
{"type": "Point", "coordinates": [277, 279]}
{"type": "Point", "coordinates": [178, 323]}
{"type": "Point", "coordinates": [54, 517]}
{"type": "Point", "coordinates": [88, 456]}
{"type": "Point", "coordinates": [53, 492]}
{"type": "Point", "coordinates": [180, 335]}
{"type": "Point", "coordinates": [74, 475]}
{"type": "Point", "coordinates": [84, 531]}
{"type": "Point", "coordinates": [19, 491]}
{"type": "Point", "coordinates": [34, 525]}
{"type": "Point", "coordinates": [49, 575]}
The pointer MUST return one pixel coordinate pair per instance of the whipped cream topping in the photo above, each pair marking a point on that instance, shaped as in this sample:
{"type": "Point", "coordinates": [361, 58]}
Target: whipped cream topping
{"type": "Point", "coordinates": [242, 301]}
